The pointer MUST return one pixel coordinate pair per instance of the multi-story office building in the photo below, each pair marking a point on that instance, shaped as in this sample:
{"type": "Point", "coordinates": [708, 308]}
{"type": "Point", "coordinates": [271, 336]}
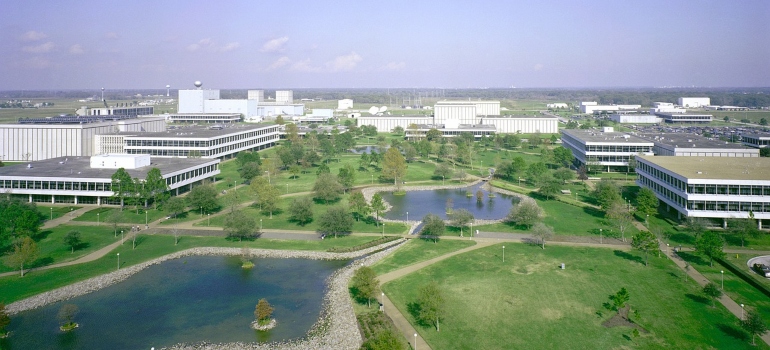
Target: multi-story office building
{"type": "Point", "coordinates": [606, 148]}
{"type": "Point", "coordinates": [709, 187]}
{"type": "Point", "coordinates": [692, 145]}
{"type": "Point", "coordinates": [88, 180]}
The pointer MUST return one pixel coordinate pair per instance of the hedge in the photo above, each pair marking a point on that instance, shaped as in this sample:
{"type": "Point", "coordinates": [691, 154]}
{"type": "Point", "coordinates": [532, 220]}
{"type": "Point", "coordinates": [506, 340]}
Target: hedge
{"type": "Point", "coordinates": [746, 276]}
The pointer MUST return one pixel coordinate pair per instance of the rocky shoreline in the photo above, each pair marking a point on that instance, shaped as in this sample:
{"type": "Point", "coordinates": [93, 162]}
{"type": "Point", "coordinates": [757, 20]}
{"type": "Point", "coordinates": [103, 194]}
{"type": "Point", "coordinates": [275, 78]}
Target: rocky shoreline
{"type": "Point", "coordinates": [336, 328]}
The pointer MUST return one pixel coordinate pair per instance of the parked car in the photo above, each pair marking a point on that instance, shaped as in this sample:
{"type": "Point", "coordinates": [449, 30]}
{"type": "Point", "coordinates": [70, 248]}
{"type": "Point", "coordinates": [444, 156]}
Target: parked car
{"type": "Point", "coordinates": [762, 269]}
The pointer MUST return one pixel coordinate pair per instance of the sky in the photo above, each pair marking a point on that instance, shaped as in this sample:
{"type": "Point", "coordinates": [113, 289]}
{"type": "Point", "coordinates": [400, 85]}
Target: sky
{"type": "Point", "coordinates": [230, 44]}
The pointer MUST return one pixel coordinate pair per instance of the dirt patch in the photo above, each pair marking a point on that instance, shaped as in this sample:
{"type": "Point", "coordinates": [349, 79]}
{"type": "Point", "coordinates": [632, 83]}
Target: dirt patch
{"type": "Point", "coordinates": [551, 314]}
{"type": "Point", "coordinates": [621, 320]}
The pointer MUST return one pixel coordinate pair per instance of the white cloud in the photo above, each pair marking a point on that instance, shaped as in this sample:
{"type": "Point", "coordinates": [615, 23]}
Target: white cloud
{"type": "Point", "coordinates": [111, 35]}
{"type": "Point", "coordinates": [230, 47]}
{"type": "Point", "coordinates": [344, 63]}
{"type": "Point", "coordinates": [33, 36]}
{"type": "Point", "coordinates": [37, 63]}
{"type": "Point", "coordinates": [279, 63]}
{"type": "Point", "coordinates": [203, 43]}
{"type": "Point", "coordinates": [42, 48]}
{"type": "Point", "coordinates": [304, 66]}
{"type": "Point", "coordinates": [394, 66]}
{"type": "Point", "coordinates": [538, 66]}
{"type": "Point", "coordinates": [275, 45]}
{"type": "Point", "coordinates": [76, 49]}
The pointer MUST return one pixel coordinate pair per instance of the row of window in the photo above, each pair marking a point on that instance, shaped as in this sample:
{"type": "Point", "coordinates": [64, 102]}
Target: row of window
{"type": "Point", "coordinates": [216, 152]}
{"type": "Point", "coordinates": [661, 175]}
{"type": "Point", "coordinates": [619, 148]}
{"type": "Point", "coordinates": [757, 207]}
{"type": "Point", "coordinates": [199, 143]}
{"type": "Point", "coordinates": [661, 190]}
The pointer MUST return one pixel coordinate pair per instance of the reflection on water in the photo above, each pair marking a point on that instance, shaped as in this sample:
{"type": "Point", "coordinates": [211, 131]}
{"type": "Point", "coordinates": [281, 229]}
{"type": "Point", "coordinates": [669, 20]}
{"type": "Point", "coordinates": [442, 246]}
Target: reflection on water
{"type": "Point", "coordinates": [421, 203]}
{"type": "Point", "coordinates": [193, 299]}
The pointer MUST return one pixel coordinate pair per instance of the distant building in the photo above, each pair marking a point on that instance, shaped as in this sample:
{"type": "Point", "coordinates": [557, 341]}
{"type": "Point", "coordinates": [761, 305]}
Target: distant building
{"type": "Point", "coordinates": [636, 118]}
{"type": "Point", "coordinates": [692, 145]}
{"type": "Point", "coordinates": [132, 111]}
{"type": "Point", "coordinates": [694, 102]}
{"type": "Point", "coordinates": [591, 107]}
{"type": "Point", "coordinates": [253, 109]}
{"type": "Point", "coordinates": [284, 97]}
{"type": "Point", "coordinates": [208, 118]}
{"type": "Point", "coordinates": [557, 105]}
{"type": "Point", "coordinates": [448, 130]}
{"type": "Point", "coordinates": [345, 104]}
{"type": "Point", "coordinates": [522, 124]}
{"type": "Point", "coordinates": [756, 140]}
{"type": "Point", "coordinates": [685, 117]}
{"type": "Point", "coordinates": [709, 187]}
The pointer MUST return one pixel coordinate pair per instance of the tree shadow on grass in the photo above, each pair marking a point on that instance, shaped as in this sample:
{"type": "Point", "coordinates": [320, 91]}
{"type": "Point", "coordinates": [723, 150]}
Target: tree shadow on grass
{"type": "Point", "coordinates": [698, 299]}
{"type": "Point", "coordinates": [692, 258]}
{"type": "Point", "coordinates": [733, 331]}
{"type": "Point", "coordinates": [627, 256]}
{"type": "Point", "coordinates": [41, 262]}
{"type": "Point", "coordinates": [41, 235]}
{"type": "Point", "coordinates": [414, 310]}
{"type": "Point", "coordinates": [682, 238]}
{"type": "Point", "coordinates": [593, 212]}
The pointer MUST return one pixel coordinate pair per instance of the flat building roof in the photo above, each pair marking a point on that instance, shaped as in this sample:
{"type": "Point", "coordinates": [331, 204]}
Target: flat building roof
{"type": "Point", "coordinates": [714, 168]}
{"type": "Point", "coordinates": [686, 140]}
{"type": "Point", "coordinates": [80, 168]}
{"type": "Point", "coordinates": [197, 132]}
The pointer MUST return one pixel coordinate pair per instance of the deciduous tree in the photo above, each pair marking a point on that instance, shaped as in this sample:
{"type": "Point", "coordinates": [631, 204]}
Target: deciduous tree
{"type": "Point", "coordinates": [377, 205]}
{"type": "Point", "coordinates": [645, 241]}
{"type": "Point", "coordinates": [542, 232]}
{"type": "Point", "coordinates": [301, 210]}
{"type": "Point", "coordinates": [358, 204]}
{"type": "Point", "coordinates": [203, 197]}
{"type": "Point", "coordinates": [646, 202]}
{"type": "Point", "coordinates": [431, 302]}
{"type": "Point", "coordinates": [263, 311]}
{"type": "Point", "coordinates": [526, 213]}
{"type": "Point", "coordinates": [347, 176]}
{"type": "Point", "coordinates": [460, 218]}
{"type": "Point", "coordinates": [24, 252]}
{"type": "Point", "coordinates": [620, 218]}
{"type": "Point", "coordinates": [432, 226]}
{"type": "Point", "coordinates": [713, 292]}
{"type": "Point", "coordinates": [239, 225]}
{"type": "Point", "coordinates": [336, 220]}
{"type": "Point", "coordinates": [606, 193]}
{"type": "Point", "coordinates": [365, 284]}
{"type": "Point", "coordinates": [156, 187]}
{"type": "Point", "coordinates": [753, 324]}
{"type": "Point", "coordinates": [711, 244]}
{"type": "Point", "coordinates": [393, 165]}
{"type": "Point", "coordinates": [122, 186]}
{"type": "Point", "coordinates": [72, 239]}
{"type": "Point", "coordinates": [327, 188]}
{"type": "Point", "coordinates": [175, 205]}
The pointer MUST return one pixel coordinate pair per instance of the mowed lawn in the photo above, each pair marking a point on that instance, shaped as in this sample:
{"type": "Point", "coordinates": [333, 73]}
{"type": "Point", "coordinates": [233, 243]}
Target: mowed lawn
{"type": "Point", "coordinates": [527, 302]}
{"type": "Point", "coordinates": [418, 250]}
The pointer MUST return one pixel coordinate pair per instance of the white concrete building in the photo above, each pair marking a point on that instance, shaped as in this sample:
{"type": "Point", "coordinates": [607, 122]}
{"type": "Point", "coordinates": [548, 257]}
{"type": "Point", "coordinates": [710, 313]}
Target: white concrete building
{"type": "Point", "coordinates": [606, 148]}
{"type": "Point", "coordinates": [345, 104]}
{"type": "Point", "coordinates": [694, 102]}
{"type": "Point", "coordinates": [465, 112]}
{"type": "Point", "coordinates": [685, 117]}
{"type": "Point", "coordinates": [756, 140]}
{"type": "Point", "coordinates": [204, 142]}
{"type": "Point", "coordinates": [74, 180]}
{"type": "Point", "coordinates": [258, 95]}
{"type": "Point", "coordinates": [388, 123]}
{"type": "Point", "coordinates": [477, 130]}
{"type": "Point", "coordinates": [592, 107]}
{"type": "Point", "coordinates": [133, 111]}
{"type": "Point", "coordinates": [284, 97]}
{"type": "Point", "coordinates": [207, 118]}
{"type": "Point", "coordinates": [692, 145]}
{"type": "Point", "coordinates": [636, 118]}
{"type": "Point", "coordinates": [33, 142]}
{"type": "Point", "coordinates": [522, 124]}
{"type": "Point", "coordinates": [709, 187]}
{"type": "Point", "coordinates": [557, 105]}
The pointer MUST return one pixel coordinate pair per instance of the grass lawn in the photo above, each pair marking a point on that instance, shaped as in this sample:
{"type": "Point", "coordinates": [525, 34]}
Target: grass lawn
{"type": "Point", "coordinates": [130, 215]}
{"type": "Point", "coordinates": [527, 302]}
{"type": "Point", "coordinates": [735, 287]}
{"type": "Point", "coordinates": [280, 219]}
{"type": "Point", "coordinates": [13, 288]}
{"type": "Point", "coordinates": [50, 243]}
{"type": "Point", "coordinates": [48, 212]}
{"type": "Point", "coordinates": [417, 250]}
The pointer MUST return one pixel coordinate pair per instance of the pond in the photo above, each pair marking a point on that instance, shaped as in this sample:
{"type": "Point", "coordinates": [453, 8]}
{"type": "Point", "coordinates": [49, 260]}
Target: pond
{"type": "Point", "coordinates": [192, 299]}
{"type": "Point", "coordinates": [420, 203]}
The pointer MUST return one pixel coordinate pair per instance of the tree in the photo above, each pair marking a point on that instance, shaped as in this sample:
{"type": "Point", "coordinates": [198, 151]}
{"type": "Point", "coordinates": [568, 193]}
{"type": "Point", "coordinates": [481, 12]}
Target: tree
{"type": "Point", "coordinates": [336, 220]}
{"type": "Point", "coordinates": [239, 225]}
{"type": "Point", "coordinates": [606, 193]}
{"type": "Point", "coordinates": [327, 188]}
{"type": "Point", "coordinates": [535, 171]}
{"type": "Point", "coordinates": [156, 187]}
{"type": "Point", "coordinates": [384, 339]}
{"type": "Point", "coordinates": [713, 292]}
{"type": "Point", "coordinates": [442, 171]}
{"type": "Point", "coordinates": [377, 205]}
{"type": "Point", "coordinates": [203, 197]}
{"type": "Point", "coordinates": [398, 130]}
{"type": "Point", "coordinates": [323, 169]}
{"type": "Point", "coordinates": [175, 205]}
{"type": "Point", "coordinates": [753, 324]}
{"type": "Point", "coordinates": [17, 219]}
{"type": "Point", "coordinates": [5, 320]}
{"type": "Point", "coordinates": [620, 218]}
{"type": "Point", "coordinates": [246, 157]}
{"type": "Point", "coordinates": [542, 232]}
{"type": "Point", "coordinates": [365, 284]}
{"type": "Point", "coordinates": [431, 302]}
{"type": "Point", "coordinates": [279, 120]}
{"type": "Point", "coordinates": [432, 226]}
{"type": "Point", "coordinates": [549, 187]}
{"type": "Point", "coordinates": [711, 244]}
{"type": "Point", "coordinates": [122, 186]}
{"type": "Point", "coordinates": [564, 175]}
{"type": "Point", "coordinates": [646, 202]}
{"type": "Point", "coordinates": [696, 226]}
{"type": "Point", "coordinates": [295, 170]}
{"type": "Point", "coordinates": [301, 211]}
{"type": "Point", "coordinates": [269, 196]}
{"type": "Point", "coordinates": [743, 228]}
{"type": "Point", "coordinates": [620, 299]}
{"type": "Point", "coordinates": [249, 171]}
{"type": "Point", "coordinates": [358, 204]}
{"type": "Point", "coordinates": [460, 218]}
{"type": "Point", "coordinates": [393, 165]}
{"type": "Point", "coordinates": [347, 176]}
{"type": "Point", "coordinates": [764, 152]}
{"type": "Point", "coordinates": [763, 121]}
{"type": "Point", "coordinates": [526, 213]}
{"type": "Point", "coordinates": [66, 315]}
{"type": "Point", "coordinates": [645, 241]}
{"type": "Point", "coordinates": [263, 311]}
{"type": "Point", "coordinates": [433, 135]}
{"type": "Point", "coordinates": [24, 252]}
{"type": "Point", "coordinates": [582, 173]}
{"type": "Point", "coordinates": [72, 239]}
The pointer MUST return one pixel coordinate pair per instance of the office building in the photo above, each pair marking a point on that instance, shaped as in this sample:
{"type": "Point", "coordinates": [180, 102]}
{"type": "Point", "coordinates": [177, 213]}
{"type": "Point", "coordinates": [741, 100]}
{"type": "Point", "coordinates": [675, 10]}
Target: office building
{"type": "Point", "coordinates": [607, 148]}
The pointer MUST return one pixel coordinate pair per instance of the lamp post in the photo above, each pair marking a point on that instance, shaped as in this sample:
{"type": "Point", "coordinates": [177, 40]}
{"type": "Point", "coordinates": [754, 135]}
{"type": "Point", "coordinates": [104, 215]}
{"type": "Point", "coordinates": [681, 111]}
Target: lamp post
{"type": "Point", "coordinates": [208, 219]}
{"type": "Point", "coordinates": [268, 177]}
{"type": "Point", "coordinates": [70, 212]}
{"type": "Point", "coordinates": [415, 341]}
{"type": "Point", "coordinates": [600, 236]}
{"type": "Point", "coordinates": [666, 248]}
{"type": "Point", "coordinates": [407, 217]}
{"type": "Point", "coordinates": [723, 279]}
{"type": "Point", "coordinates": [503, 253]}
{"type": "Point", "coordinates": [372, 179]}
{"type": "Point", "coordinates": [145, 218]}
{"type": "Point", "coordinates": [118, 261]}
{"type": "Point", "coordinates": [647, 220]}
{"type": "Point", "coordinates": [235, 187]}
{"type": "Point", "coordinates": [442, 180]}
{"type": "Point", "coordinates": [383, 229]}
{"type": "Point", "coordinates": [741, 312]}
{"type": "Point", "coordinates": [471, 235]}
{"type": "Point", "coordinates": [201, 212]}
{"type": "Point", "coordinates": [260, 224]}
{"type": "Point", "coordinates": [287, 188]}
{"type": "Point", "coordinates": [121, 236]}
{"type": "Point", "coordinates": [382, 301]}
{"type": "Point", "coordinates": [51, 213]}
{"type": "Point", "coordinates": [97, 220]}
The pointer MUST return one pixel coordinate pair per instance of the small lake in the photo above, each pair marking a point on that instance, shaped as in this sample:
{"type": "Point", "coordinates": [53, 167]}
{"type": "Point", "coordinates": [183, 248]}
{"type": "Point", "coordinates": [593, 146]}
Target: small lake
{"type": "Point", "coordinates": [421, 203]}
{"type": "Point", "coordinates": [192, 299]}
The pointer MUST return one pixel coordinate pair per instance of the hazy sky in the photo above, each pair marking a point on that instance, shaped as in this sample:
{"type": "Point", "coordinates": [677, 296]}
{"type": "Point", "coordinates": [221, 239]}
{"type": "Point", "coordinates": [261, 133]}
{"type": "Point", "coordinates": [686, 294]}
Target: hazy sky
{"type": "Point", "coordinates": [360, 43]}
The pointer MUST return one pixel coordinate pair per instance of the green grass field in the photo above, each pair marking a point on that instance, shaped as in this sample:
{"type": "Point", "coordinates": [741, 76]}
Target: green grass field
{"type": "Point", "coordinates": [418, 250]}
{"type": "Point", "coordinates": [13, 288]}
{"type": "Point", "coordinates": [527, 302]}
{"type": "Point", "coordinates": [48, 212]}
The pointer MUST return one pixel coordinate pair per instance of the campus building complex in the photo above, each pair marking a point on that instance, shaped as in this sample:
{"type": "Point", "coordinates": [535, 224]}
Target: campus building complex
{"type": "Point", "coordinates": [607, 148]}
{"type": "Point", "coordinates": [692, 145]}
{"type": "Point", "coordinates": [254, 108]}
{"type": "Point", "coordinates": [88, 180]}
{"type": "Point", "coordinates": [709, 187]}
